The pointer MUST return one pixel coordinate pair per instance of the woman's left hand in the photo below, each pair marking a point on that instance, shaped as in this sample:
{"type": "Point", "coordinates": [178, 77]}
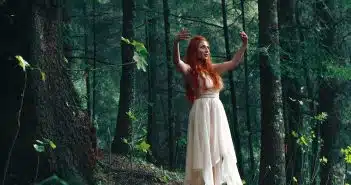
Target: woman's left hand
{"type": "Point", "coordinates": [244, 38]}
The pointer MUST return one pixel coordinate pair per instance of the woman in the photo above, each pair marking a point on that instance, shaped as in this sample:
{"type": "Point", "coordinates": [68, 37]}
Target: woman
{"type": "Point", "coordinates": [210, 158]}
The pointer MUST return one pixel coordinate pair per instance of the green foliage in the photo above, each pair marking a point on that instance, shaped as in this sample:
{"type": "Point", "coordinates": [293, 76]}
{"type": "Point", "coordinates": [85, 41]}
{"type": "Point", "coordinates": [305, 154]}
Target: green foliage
{"type": "Point", "coordinates": [181, 142]}
{"type": "Point", "coordinates": [140, 53]}
{"type": "Point", "coordinates": [339, 72]}
{"type": "Point", "coordinates": [40, 145]}
{"type": "Point", "coordinates": [22, 63]}
{"type": "Point", "coordinates": [323, 160]}
{"type": "Point", "coordinates": [295, 180]}
{"type": "Point", "coordinates": [347, 152]}
{"type": "Point", "coordinates": [143, 146]}
{"type": "Point", "coordinates": [42, 75]}
{"type": "Point", "coordinates": [131, 116]}
{"type": "Point", "coordinates": [321, 117]}
{"type": "Point", "coordinates": [138, 145]}
{"type": "Point", "coordinates": [304, 139]}
{"type": "Point", "coordinates": [138, 142]}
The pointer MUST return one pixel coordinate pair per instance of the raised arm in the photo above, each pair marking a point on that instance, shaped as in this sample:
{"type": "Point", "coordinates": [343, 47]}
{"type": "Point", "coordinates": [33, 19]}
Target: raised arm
{"type": "Point", "coordinates": [236, 60]}
{"type": "Point", "coordinates": [180, 65]}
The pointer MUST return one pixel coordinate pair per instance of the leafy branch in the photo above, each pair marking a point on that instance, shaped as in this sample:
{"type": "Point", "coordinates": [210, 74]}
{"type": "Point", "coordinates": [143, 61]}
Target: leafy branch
{"type": "Point", "coordinates": [140, 53]}
{"type": "Point", "coordinates": [347, 152]}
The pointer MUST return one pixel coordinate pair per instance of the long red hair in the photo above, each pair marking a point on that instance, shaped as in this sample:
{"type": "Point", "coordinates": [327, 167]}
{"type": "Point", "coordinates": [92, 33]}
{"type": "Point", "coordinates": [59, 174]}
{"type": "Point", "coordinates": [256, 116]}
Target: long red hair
{"type": "Point", "coordinates": [199, 67]}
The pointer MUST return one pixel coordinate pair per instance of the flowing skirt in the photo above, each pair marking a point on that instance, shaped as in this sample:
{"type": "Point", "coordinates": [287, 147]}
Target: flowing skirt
{"type": "Point", "coordinates": [210, 158]}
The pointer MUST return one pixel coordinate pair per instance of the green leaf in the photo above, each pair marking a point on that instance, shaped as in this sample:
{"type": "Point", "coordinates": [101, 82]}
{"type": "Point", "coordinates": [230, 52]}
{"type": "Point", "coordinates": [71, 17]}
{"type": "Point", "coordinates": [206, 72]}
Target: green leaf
{"type": "Point", "coordinates": [323, 160]}
{"type": "Point", "coordinates": [40, 142]}
{"type": "Point", "coordinates": [143, 146]}
{"type": "Point", "coordinates": [303, 140]}
{"type": "Point", "coordinates": [140, 61]}
{"type": "Point", "coordinates": [293, 133]}
{"type": "Point", "coordinates": [140, 48]}
{"type": "Point", "coordinates": [125, 40]}
{"type": "Point", "coordinates": [125, 140]}
{"type": "Point", "coordinates": [165, 178]}
{"type": "Point", "coordinates": [321, 117]}
{"type": "Point", "coordinates": [43, 76]}
{"type": "Point", "coordinates": [22, 62]}
{"type": "Point", "coordinates": [347, 153]}
{"type": "Point", "coordinates": [65, 59]}
{"type": "Point", "coordinates": [131, 115]}
{"type": "Point", "coordinates": [39, 148]}
{"type": "Point", "coordinates": [144, 130]}
{"type": "Point", "coordinates": [295, 179]}
{"type": "Point", "coordinates": [52, 144]}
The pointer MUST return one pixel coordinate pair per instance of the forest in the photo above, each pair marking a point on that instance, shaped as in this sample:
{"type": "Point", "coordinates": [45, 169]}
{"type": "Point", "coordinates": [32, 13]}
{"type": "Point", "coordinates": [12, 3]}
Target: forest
{"type": "Point", "coordinates": [91, 95]}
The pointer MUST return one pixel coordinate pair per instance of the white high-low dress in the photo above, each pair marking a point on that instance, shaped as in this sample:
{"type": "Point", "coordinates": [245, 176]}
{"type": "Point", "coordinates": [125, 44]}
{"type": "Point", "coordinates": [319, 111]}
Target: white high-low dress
{"type": "Point", "coordinates": [210, 158]}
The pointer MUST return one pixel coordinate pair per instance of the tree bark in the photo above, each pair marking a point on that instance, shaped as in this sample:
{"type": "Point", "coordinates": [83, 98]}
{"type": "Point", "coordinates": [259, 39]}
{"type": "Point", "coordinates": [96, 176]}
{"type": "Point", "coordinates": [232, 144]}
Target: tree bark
{"type": "Point", "coordinates": [171, 140]}
{"type": "Point", "coordinates": [127, 88]}
{"type": "Point", "coordinates": [272, 165]}
{"type": "Point", "coordinates": [50, 108]}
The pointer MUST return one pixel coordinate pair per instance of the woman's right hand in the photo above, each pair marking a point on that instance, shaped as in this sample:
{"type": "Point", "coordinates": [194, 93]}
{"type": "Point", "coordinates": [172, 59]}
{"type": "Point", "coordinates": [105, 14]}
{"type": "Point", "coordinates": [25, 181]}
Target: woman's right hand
{"type": "Point", "coordinates": [182, 35]}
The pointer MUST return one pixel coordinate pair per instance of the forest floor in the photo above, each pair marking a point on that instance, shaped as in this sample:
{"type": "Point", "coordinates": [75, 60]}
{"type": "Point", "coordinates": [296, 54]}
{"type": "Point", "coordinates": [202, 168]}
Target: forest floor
{"type": "Point", "coordinates": [119, 170]}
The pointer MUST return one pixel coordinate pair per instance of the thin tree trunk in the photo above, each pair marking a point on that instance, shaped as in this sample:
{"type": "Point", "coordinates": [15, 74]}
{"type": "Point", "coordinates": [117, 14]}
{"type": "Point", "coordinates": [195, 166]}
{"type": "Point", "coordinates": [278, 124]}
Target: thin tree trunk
{"type": "Point", "coordinates": [151, 33]}
{"type": "Point", "coordinates": [93, 101]}
{"type": "Point", "coordinates": [235, 130]}
{"type": "Point", "coordinates": [87, 69]}
{"type": "Point", "coordinates": [247, 104]}
{"type": "Point", "coordinates": [332, 172]}
{"type": "Point", "coordinates": [171, 143]}
{"type": "Point", "coordinates": [290, 43]}
{"type": "Point", "coordinates": [124, 123]}
{"type": "Point", "coordinates": [272, 165]}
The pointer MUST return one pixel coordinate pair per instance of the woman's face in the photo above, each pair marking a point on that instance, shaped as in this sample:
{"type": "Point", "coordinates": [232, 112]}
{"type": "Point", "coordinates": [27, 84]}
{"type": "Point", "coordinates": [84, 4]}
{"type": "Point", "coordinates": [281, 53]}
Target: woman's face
{"type": "Point", "coordinates": [203, 51]}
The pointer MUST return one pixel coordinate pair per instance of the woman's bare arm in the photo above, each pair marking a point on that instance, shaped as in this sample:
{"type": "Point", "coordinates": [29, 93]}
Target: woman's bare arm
{"type": "Point", "coordinates": [236, 60]}
{"type": "Point", "coordinates": [181, 66]}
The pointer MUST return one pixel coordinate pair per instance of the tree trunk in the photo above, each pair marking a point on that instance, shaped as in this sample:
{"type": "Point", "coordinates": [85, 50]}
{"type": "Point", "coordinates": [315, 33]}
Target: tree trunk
{"type": "Point", "coordinates": [289, 42]}
{"type": "Point", "coordinates": [332, 173]}
{"type": "Point", "coordinates": [171, 140]}
{"type": "Point", "coordinates": [152, 49]}
{"type": "Point", "coordinates": [93, 100]}
{"type": "Point", "coordinates": [50, 107]}
{"type": "Point", "coordinates": [294, 123]}
{"type": "Point", "coordinates": [235, 129]}
{"type": "Point", "coordinates": [247, 104]}
{"type": "Point", "coordinates": [272, 165]}
{"type": "Point", "coordinates": [87, 69]}
{"type": "Point", "coordinates": [124, 123]}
